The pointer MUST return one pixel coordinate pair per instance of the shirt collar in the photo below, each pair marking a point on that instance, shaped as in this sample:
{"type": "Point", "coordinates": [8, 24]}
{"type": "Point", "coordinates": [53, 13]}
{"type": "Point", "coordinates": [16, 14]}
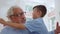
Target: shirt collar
{"type": "Point", "coordinates": [38, 19]}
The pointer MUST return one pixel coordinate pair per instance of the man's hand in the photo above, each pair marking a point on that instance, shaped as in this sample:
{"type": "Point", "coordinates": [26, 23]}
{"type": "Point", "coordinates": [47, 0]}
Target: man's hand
{"type": "Point", "coordinates": [57, 28]}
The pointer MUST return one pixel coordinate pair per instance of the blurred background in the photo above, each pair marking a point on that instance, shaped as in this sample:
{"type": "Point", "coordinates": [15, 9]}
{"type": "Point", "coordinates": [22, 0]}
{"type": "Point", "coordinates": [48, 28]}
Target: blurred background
{"type": "Point", "coordinates": [51, 18]}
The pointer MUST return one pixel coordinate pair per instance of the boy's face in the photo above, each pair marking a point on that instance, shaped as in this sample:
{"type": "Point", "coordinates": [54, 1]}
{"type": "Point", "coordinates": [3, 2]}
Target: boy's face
{"type": "Point", "coordinates": [36, 13]}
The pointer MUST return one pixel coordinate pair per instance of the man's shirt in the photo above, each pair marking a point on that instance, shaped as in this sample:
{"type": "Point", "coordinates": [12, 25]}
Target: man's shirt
{"type": "Point", "coordinates": [10, 30]}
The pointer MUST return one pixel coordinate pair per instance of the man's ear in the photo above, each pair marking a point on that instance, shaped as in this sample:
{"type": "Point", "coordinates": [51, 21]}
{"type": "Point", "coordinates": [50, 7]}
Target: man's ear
{"type": "Point", "coordinates": [8, 17]}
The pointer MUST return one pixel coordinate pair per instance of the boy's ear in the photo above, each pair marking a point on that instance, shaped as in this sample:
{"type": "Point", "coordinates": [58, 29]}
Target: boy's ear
{"type": "Point", "coordinates": [40, 12]}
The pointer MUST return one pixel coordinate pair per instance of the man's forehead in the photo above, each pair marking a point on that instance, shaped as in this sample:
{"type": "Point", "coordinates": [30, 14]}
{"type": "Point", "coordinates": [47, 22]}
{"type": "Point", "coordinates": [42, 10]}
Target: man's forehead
{"type": "Point", "coordinates": [17, 10]}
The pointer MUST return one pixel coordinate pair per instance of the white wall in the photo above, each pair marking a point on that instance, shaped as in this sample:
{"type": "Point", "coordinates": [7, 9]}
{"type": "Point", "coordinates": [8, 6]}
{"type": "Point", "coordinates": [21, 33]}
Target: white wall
{"type": "Point", "coordinates": [26, 5]}
{"type": "Point", "coordinates": [57, 6]}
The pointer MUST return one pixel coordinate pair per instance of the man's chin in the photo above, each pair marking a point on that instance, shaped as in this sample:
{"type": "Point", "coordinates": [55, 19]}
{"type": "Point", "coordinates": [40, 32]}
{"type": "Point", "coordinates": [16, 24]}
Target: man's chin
{"type": "Point", "coordinates": [23, 22]}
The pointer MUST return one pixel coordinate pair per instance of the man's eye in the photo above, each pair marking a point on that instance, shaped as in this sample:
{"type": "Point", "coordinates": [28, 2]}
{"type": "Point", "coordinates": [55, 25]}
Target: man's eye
{"type": "Point", "coordinates": [11, 15]}
{"type": "Point", "coordinates": [17, 15]}
{"type": "Point", "coordinates": [21, 13]}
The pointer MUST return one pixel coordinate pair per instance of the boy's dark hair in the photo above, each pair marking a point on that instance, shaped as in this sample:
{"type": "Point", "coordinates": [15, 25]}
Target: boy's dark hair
{"type": "Point", "coordinates": [42, 8]}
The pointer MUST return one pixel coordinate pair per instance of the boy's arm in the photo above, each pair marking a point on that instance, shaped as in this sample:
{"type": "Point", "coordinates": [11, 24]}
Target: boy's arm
{"type": "Point", "coordinates": [15, 25]}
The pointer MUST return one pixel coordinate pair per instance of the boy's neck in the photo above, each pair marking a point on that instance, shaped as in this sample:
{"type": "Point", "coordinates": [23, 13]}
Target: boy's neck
{"type": "Point", "coordinates": [37, 17]}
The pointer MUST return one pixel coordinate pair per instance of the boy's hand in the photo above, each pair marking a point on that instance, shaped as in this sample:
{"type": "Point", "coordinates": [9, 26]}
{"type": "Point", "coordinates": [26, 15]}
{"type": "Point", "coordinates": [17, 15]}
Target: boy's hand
{"type": "Point", "coordinates": [2, 21]}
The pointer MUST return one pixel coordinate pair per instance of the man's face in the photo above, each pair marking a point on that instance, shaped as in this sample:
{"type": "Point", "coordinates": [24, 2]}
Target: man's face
{"type": "Point", "coordinates": [18, 16]}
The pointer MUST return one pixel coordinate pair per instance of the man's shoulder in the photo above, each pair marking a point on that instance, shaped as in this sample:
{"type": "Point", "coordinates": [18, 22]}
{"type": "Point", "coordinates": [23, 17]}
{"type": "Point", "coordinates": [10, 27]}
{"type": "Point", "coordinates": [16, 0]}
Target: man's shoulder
{"type": "Point", "coordinates": [6, 27]}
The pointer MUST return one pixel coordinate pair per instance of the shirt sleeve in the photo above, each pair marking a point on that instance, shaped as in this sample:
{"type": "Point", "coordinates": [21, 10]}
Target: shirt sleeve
{"type": "Point", "coordinates": [36, 26]}
{"type": "Point", "coordinates": [33, 26]}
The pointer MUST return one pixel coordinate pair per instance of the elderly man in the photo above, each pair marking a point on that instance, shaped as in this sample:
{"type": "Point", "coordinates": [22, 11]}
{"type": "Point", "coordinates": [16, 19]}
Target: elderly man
{"type": "Point", "coordinates": [15, 15]}
{"type": "Point", "coordinates": [36, 26]}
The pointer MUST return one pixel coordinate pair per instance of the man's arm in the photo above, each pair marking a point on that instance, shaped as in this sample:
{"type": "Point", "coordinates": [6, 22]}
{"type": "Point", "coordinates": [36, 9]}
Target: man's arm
{"type": "Point", "coordinates": [57, 29]}
{"type": "Point", "coordinates": [55, 32]}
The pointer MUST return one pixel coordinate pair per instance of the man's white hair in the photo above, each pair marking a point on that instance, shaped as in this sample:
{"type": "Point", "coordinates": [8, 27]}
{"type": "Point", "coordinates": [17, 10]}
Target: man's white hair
{"type": "Point", "coordinates": [10, 10]}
